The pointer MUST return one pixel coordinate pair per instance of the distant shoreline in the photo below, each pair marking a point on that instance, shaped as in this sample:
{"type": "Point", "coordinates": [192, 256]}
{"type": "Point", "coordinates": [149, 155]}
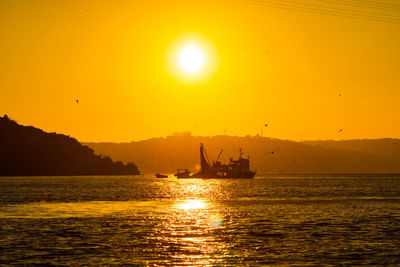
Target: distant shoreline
{"type": "Point", "coordinates": [26, 150]}
{"type": "Point", "coordinates": [270, 175]}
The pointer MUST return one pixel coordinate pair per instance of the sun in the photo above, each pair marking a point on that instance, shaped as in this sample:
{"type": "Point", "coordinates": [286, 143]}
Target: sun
{"type": "Point", "coordinates": [191, 59]}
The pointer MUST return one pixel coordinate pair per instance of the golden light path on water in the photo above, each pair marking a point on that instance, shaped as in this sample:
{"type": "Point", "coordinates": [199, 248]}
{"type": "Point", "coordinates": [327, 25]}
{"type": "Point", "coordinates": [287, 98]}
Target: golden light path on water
{"type": "Point", "coordinates": [184, 228]}
{"type": "Point", "coordinates": [192, 204]}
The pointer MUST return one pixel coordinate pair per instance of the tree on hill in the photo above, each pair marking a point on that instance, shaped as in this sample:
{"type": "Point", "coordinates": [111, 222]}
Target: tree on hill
{"type": "Point", "coordinates": [26, 150]}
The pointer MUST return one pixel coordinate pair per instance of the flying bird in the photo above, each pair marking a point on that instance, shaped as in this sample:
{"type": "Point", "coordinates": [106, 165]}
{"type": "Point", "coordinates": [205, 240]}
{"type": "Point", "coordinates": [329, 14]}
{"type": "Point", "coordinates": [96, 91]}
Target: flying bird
{"type": "Point", "coordinates": [265, 125]}
{"type": "Point", "coordinates": [77, 101]}
{"type": "Point", "coordinates": [273, 151]}
{"type": "Point", "coordinates": [340, 130]}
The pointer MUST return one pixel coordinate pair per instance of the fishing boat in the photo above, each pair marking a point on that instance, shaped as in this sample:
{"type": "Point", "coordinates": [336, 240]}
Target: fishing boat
{"type": "Point", "coordinates": [158, 175]}
{"type": "Point", "coordinates": [239, 168]}
{"type": "Point", "coordinates": [182, 173]}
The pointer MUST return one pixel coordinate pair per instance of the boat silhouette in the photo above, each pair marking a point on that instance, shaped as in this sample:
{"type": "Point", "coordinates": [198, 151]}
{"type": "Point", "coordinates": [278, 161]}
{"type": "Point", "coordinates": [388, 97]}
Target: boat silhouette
{"type": "Point", "coordinates": [239, 168]}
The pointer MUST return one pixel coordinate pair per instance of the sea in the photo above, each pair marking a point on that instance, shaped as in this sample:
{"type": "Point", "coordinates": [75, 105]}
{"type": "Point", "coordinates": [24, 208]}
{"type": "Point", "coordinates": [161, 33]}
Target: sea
{"type": "Point", "coordinates": [285, 220]}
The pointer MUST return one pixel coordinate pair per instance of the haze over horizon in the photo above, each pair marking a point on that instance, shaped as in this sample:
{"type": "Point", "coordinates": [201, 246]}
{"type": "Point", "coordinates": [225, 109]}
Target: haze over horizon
{"type": "Point", "coordinates": [175, 152]}
{"type": "Point", "coordinates": [251, 65]}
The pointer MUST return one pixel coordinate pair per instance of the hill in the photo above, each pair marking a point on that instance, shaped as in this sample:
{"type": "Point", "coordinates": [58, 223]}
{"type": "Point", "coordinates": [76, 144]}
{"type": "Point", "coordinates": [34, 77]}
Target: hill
{"type": "Point", "coordinates": [387, 148]}
{"type": "Point", "coordinates": [26, 150]}
{"type": "Point", "coordinates": [168, 154]}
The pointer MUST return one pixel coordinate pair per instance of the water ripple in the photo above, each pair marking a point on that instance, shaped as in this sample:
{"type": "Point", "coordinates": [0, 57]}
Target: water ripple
{"type": "Point", "coordinates": [142, 221]}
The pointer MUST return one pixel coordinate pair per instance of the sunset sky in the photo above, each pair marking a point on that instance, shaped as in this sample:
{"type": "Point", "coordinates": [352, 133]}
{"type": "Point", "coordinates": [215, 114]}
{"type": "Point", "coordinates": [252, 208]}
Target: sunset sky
{"type": "Point", "coordinates": [305, 74]}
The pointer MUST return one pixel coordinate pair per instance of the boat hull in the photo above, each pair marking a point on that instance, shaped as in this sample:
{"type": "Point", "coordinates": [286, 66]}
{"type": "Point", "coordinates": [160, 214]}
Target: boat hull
{"type": "Point", "coordinates": [249, 175]}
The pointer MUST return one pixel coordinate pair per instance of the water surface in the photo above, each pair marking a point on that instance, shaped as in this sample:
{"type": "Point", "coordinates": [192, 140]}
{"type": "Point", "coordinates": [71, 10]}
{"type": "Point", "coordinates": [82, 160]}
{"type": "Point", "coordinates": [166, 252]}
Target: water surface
{"type": "Point", "coordinates": [139, 220]}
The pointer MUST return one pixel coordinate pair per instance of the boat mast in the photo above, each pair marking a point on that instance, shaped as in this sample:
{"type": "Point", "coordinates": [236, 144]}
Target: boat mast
{"type": "Point", "coordinates": [220, 154]}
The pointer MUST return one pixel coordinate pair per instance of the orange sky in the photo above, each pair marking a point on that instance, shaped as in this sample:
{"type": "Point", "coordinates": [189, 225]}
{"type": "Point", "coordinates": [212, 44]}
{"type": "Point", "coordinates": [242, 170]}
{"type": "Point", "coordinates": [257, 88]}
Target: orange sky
{"type": "Point", "coordinates": [265, 65]}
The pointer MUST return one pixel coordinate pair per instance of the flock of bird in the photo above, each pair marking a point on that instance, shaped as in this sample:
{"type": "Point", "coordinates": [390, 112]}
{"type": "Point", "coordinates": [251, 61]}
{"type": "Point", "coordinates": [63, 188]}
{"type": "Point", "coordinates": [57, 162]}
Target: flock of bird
{"type": "Point", "coordinates": [273, 151]}
{"type": "Point", "coordinates": [266, 125]}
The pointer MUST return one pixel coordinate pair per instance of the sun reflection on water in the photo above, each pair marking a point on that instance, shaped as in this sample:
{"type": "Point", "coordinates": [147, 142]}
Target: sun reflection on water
{"type": "Point", "coordinates": [184, 229]}
{"type": "Point", "coordinates": [192, 204]}
{"type": "Point", "coordinates": [191, 227]}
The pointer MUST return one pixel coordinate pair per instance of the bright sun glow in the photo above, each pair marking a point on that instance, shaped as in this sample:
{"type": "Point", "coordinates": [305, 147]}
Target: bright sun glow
{"type": "Point", "coordinates": [191, 59]}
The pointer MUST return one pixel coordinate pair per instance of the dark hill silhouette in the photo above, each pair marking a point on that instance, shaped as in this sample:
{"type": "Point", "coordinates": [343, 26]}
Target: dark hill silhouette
{"type": "Point", "coordinates": [167, 154]}
{"type": "Point", "coordinates": [26, 150]}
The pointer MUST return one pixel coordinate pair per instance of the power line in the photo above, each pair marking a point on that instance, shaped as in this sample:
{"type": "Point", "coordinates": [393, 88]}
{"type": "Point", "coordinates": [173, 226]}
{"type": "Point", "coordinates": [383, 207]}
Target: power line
{"type": "Point", "coordinates": [319, 8]}
{"type": "Point", "coordinates": [363, 5]}
{"type": "Point", "coordinates": [379, 3]}
{"type": "Point", "coordinates": [329, 8]}
{"type": "Point", "coordinates": [325, 10]}
{"type": "Point", "coordinates": [313, 11]}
